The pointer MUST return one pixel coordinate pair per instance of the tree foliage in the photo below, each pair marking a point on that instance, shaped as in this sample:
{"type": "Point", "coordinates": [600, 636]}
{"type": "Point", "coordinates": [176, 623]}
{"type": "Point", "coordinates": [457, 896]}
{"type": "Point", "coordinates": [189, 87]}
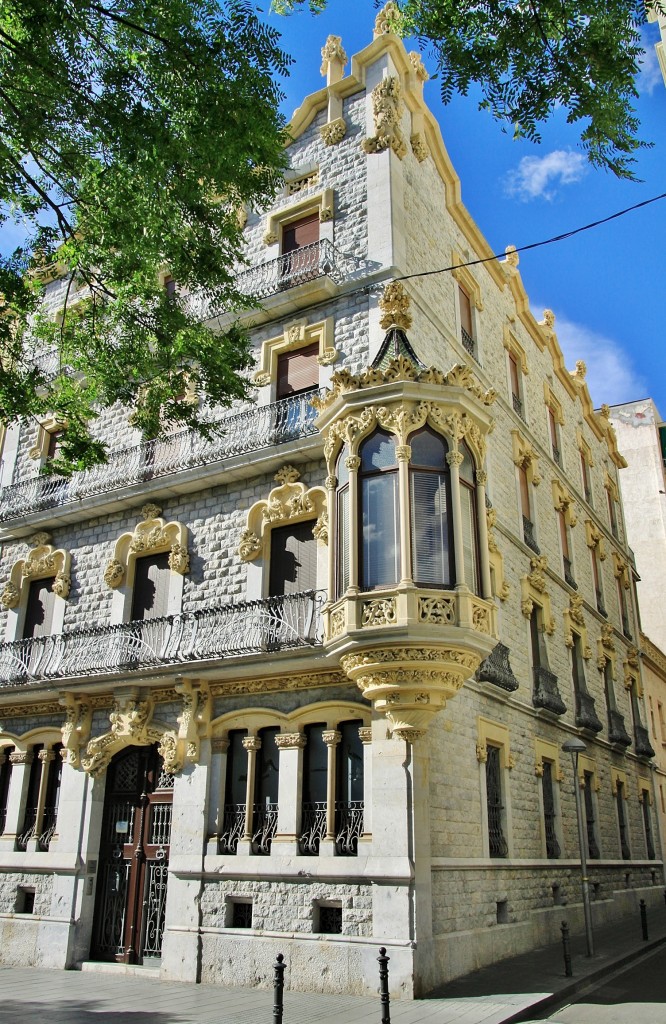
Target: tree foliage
{"type": "Point", "coordinates": [531, 57]}
{"type": "Point", "coordinates": [131, 134]}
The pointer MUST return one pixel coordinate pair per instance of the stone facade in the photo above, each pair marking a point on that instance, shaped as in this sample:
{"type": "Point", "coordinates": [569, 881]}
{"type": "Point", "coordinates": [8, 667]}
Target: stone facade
{"type": "Point", "coordinates": [373, 759]}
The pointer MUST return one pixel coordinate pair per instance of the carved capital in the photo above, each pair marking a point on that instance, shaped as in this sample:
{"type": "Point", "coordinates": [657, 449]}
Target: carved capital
{"type": "Point", "coordinates": [334, 131]}
{"type": "Point", "coordinates": [251, 743]}
{"type": "Point", "coordinates": [455, 458]}
{"type": "Point", "coordinates": [291, 740]}
{"type": "Point", "coordinates": [365, 734]}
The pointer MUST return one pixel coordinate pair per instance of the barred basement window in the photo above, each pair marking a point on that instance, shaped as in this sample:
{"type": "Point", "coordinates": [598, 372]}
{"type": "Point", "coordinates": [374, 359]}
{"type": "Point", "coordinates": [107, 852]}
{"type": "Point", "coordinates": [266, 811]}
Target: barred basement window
{"type": "Point", "coordinates": [330, 919]}
{"type": "Point", "coordinates": [25, 900]}
{"type": "Point", "coordinates": [497, 842]}
{"type": "Point", "coordinates": [241, 914]}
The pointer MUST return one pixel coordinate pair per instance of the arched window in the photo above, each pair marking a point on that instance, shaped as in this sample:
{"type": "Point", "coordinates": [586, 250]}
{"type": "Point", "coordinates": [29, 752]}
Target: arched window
{"type": "Point", "coordinates": [342, 512]}
{"type": "Point", "coordinates": [470, 528]}
{"type": "Point", "coordinates": [378, 495]}
{"type": "Point", "coordinates": [431, 520]}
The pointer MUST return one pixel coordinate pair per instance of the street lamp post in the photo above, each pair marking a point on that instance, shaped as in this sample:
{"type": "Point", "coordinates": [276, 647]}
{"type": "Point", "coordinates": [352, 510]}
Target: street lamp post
{"type": "Point", "coordinates": [574, 746]}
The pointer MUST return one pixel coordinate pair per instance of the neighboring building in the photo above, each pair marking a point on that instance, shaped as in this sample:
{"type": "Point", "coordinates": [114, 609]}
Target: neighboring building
{"type": "Point", "coordinates": [312, 697]}
{"type": "Point", "coordinates": [660, 47]}
{"type": "Point", "coordinates": [654, 677]}
{"type": "Point", "coordinates": [641, 438]}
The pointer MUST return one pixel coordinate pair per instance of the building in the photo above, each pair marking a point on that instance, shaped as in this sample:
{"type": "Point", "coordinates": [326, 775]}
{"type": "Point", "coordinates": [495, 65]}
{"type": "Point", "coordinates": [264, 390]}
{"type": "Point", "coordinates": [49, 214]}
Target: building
{"type": "Point", "coordinates": [303, 687]}
{"type": "Point", "coordinates": [659, 17]}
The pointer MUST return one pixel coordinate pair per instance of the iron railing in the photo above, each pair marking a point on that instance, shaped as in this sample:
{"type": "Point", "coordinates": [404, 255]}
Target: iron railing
{"type": "Point", "coordinates": [517, 405]}
{"type": "Point", "coordinates": [496, 668]}
{"type": "Point", "coordinates": [348, 826]}
{"type": "Point", "coordinates": [233, 828]}
{"type": "Point", "coordinates": [529, 535]}
{"type": "Point", "coordinates": [568, 574]}
{"type": "Point", "coordinates": [642, 746]}
{"type": "Point", "coordinates": [586, 715]}
{"type": "Point", "coordinates": [546, 693]}
{"type": "Point", "coordinates": [313, 827]}
{"type": "Point", "coordinates": [319, 259]}
{"type": "Point", "coordinates": [556, 454]}
{"type": "Point", "coordinates": [468, 342]}
{"type": "Point", "coordinates": [260, 426]}
{"type": "Point", "coordinates": [264, 827]}
{"type": "Point", "coordinates": [235, 629]}
{"type": "Point", "coordinates": [617, 732]}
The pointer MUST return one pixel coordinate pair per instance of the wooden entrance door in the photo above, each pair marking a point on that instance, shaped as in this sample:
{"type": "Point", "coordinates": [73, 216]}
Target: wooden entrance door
{"type": "Point", "coordinates": [134, 858]}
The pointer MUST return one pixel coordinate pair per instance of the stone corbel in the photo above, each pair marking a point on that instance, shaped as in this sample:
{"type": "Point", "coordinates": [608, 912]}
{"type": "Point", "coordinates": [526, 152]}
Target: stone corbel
{"type": "Point", "coordinates": [43, 561]}
{"type": "Point", "coordinates": [525, 457]}
{"type": "Point", "coordinates": [182, 745]}
{"type": "Point", "coordinates": [594, 538]}
{"type": "Point", "coordinates": [290, 502]}
{"type": "Point", "coordinates": [563, 502]}
{"type": "Point", "coordinates": [76, 730]}
{"type": "Point", "coordinates": [151, 536]}
{"type": "Point", "coordinates": [130, 721]}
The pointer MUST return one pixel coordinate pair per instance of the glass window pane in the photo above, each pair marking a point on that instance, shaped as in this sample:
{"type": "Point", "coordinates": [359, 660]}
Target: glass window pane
{"type": "Point", "coordinates": [350, 763]}
{"type": "Point", "coordinates": [470, 556]}
{"type": "Point", "coordinates": [315, 765]}
{"type": "Point", "coordinates": [379, 540]}
{"type": "Point", "coordinates": [342, 571]}
{"type": "Point", "coordinates": [236, 790]}
{"type": "Point", "coordinates": [268, 768]}
{"type": "Point", "coordinates": [467, 466]}
{"type": "Point", "coordinates": [378, 452]}
{"type": "Point", "coordinates": [428, 450]}
{"type": "Point", "coordinates": [431, 543]}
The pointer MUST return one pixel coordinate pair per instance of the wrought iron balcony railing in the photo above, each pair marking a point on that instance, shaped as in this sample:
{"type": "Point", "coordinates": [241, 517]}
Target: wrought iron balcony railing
{"type": "Point", "coordinates": [617, 732]}
{"type": "Point", "coordinates": [264, 826]}
{"type": "Point", "coordinates": [276, 623]}
{"type": "Point", "coordinates": [546, 694]}
{"type": "Point", "coordinates": [313, 827]}
{"type": "Point", "coordinates": [643, 747]}
{"type": "Point", "coordinates": [348, 826]}
{"type": "Point", "coordinates": [568, 574]}
{"type": "Point", "coordinates": [586, 715]}
{"type": "Point", "coordinates": [556, 454]}
{"type": "Point", "coordinates": [261, 426]}
{"type": "Point", "coordinates": [317, 260]}
{"type": "Point", "coordinates": [496, 668]}
{"type": "Point", "coordinates": [529, 535]}
{"type": "Point", "coordinates": [468, 341]}
{"type": "Point", "coordinates": [516, 401]}
{"type": "Point", "coordinates": [233, 828]}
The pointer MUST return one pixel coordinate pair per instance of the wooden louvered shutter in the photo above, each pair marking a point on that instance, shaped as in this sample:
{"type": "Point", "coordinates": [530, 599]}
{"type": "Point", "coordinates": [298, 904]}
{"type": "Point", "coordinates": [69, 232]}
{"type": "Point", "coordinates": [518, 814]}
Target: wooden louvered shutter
{"type": "Point", "coordinates": [39, 609]}
{"type": "Point", "coordinates": [293, 559]}
{"type": "Point", "coordinates": [297, 371]}
{"type": "Point", "coordinates": [301, 233]}
{"type": "Point", "coordinates": [150, 596]}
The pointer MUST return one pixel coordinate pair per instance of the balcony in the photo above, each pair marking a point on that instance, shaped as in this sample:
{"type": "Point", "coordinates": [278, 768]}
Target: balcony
{"type": "Point", "coordinates": [617, 732]}
{"type": "Point", "coordinates": [568, 574]}
{"type": "Point", "coordinates": [586, 715]}
{"type": "Point", "coordinates": [496, 668]}
{"type": "Point", "coordinates": [643, 747]}
{"type": "Point", "coordinates": [468, 343]}
{"type": "Point", "coordinates": [517, 406]}
{"type": "Point", "coordinates": [529, 535]}
{"type": "Point", "coordinates": [318, 263]}
{"type": "Point", "coordinates": [233, 630]}
{"type": "Point", "coordinates": [235, 434]}
{"type": "Point", "coordinates": [546, 694]}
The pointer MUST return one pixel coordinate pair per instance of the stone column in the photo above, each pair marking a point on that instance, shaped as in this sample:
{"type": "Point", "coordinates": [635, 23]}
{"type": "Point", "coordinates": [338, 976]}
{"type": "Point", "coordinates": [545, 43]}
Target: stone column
{"type": "Point", "coordinates": [353, 463]}
{"type": "Point", "coordinates": [216, 795]}
{"type": "Point", "coordinates": [486, 587]}
{"type": "Point", "coordinates": [290, 782]}
{"type": "Point", "coordinates": [404, 453]}
{"type": "Point", "coordinates": [21, 761]}
{"type": "Point", "coordinates": [331, 738]}
{"type": "Point", "coordinates": [46, 757]}
{"type": "Point", "coordinates": [365, 734]}
{"type": "Point", "coordinates": [454, 460]}
{"type": "Point", "coordinates": [252, 744]}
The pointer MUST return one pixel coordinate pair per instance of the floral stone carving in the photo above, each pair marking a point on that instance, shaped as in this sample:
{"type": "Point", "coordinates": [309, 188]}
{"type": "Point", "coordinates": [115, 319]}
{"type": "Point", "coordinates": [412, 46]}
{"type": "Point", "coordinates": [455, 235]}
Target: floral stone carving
{"type": "Point", "coordinates": [387, 109]}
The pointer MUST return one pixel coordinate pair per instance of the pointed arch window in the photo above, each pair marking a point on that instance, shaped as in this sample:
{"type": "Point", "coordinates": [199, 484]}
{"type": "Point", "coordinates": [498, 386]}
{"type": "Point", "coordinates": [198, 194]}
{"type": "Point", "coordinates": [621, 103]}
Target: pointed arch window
{"type": "Point", "coordinates": [378, 493]}
{"type": "Point", "coordinates": [342, 510]}
{"type": "Point", "coordinates": [431, 519]}
{"type": "Point", "coordinates": [469, 519]}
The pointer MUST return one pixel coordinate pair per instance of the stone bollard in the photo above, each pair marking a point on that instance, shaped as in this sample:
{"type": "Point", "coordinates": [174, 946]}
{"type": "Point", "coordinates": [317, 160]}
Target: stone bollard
{"type": "Point", "coordinates": [568, 970]}
{"type": "Point", "coordinates": [644, 926]}
{"type": "Point", "coordinates": [278, 988]}
{"type": "Point", "coordinates": [383, 961]}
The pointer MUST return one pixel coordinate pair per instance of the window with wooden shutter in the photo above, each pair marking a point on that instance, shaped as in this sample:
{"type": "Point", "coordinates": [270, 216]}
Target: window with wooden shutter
{"type": "Point", "coordinates": [300, 251]}
{"type": "Point", "coordinates": [150, 596]}
{"type": "Point", "coordinates": [54, 443]}
{"type": "Point", "coordinates": [297, 371]}
{"type": "Point", "coordinates": [39, 609]}
{"type": "Point", "coordinates": [293, 566]}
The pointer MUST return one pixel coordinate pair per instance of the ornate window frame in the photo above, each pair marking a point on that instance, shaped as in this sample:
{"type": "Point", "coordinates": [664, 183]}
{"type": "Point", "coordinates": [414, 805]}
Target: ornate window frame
{"type": "Point", "coordinates": [553, 403]}
{"type": "Point", "coordinates": [297, 334]}
{"type": "Point", "coordinates": [495, 734]}
{"type": "Point", "coordinates": [42, 561]}
{"type": "Point", "coordinates": [563, 501]}
{"type": "Point", "coordinates": [533, 592]}
{"type": "Point", "coordinates": [151, 536]}
{"type": "Point", "coordinates": [49, 425]}
{"type": "Point", "coordinates": [466, 280]}
{"type": "Point", "coordinates": [574, 625]}
{"type": "Point", "coordinates": [594, 538]}
{"type": "Point", "coordinates": [321, 202]}
{"type": "Point", "coordinates": [513, 346]}
{"type": "Point", "coordinates": [525, 456]}
{"type": "Point", "coordinates": [619, 775]}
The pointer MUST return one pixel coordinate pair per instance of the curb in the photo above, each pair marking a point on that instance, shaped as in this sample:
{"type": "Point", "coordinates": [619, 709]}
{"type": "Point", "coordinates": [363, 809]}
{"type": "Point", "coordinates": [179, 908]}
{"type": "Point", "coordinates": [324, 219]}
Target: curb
{"type": "Point", "coordinates": [570, 989]}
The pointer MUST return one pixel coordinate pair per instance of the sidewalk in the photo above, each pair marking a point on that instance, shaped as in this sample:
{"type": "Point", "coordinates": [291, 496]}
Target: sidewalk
{"type": "Point", "coordinates": [516, 989]}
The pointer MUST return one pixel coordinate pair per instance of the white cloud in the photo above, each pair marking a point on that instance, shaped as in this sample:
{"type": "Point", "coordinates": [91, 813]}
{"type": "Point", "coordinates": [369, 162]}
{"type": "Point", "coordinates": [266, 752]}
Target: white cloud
{"type": "Point", "coordinates": [611, 377]}
{"type": "Point", "coordinates": [649, 76]}
{"type": "Point", "coordinates": [540, 176]}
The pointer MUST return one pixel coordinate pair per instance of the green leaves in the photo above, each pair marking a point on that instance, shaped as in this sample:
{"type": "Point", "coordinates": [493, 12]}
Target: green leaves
{"type": "Point", "coordinates": [122, 123]}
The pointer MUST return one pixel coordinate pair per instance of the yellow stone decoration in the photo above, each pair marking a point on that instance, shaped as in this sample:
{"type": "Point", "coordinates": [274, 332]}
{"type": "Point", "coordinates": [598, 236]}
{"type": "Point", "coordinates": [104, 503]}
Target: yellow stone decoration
{"type": "Point", "coordinates": [387, 109]}
{"type": "Point", "coordinates": [394, 304]}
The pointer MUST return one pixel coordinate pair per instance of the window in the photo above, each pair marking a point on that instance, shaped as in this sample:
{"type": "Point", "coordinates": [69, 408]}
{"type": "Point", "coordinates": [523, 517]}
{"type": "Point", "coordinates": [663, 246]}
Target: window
{"type": "Point", "coordinates": [616, 729]}
{"type": "Point", "coordinates": [332, 806]}
{"type": "Point", "coordinates": [293, 562]}
{"type": "Point", "coordinates": [466, 322]}
{"type": "Point", "coordinates": [586, 716]}
{"type": "Point", "coordinates": [39, 609]}
{"type": "Point", "coordinates": [5, 779]}
{"type": "Point", "coordinates": [251, 792]}
{"type": "Point", "coordinates": [612, 513]}
{"type": "Point", "coordinates": [349, 788]}
{"type": "Point", "coordinates": [379, 537]}
{"type": "Point", "coordinates": [529, 535]}
{"type": "Point", "coordinates": [647, 823]}
{"type": "Point", "coordinates": [297, 371]}
{"type": "Point", "coordinates": [624, 609]}
{"type": "Point", "coordinates": [150, 594]}
{"type": "Point", "coordinates": [554, 437]}
{"type": "Point", "coordinates": [342, 503]}
{"type": "Point", "coordinates": [622, 820]}
{"type": "Point", "coordinates": [566, 549]}
{"type": "Point", "coordinates": [169, 286]}
{"type": "Point", "coordinates": [267, 775]}
{"type": "Point", "coordinates": [596, 579]}
{"type": "Point", "coordinates": [589, 802]}
{"type": "Point", "coordinates": [497, 842]}
{"type": "Point", "coordinates": [241, 914]}
{"type": "Point", "coordinates": [585, 463]}
{"type": "Point", "coordinates": [431, 522]}
{"type": "Point", "coordinates": [468, 513]}
{"type": "Point", "coordinates": [235, 794]}
{"type": "Point", "coordinates": [549, 812]}
{"type": "Point", "coordinates": [329, 918]}
{"type": "Point", "coordinates": [42, 795]}
{"type": "Point", "coordinates": [315, 790]}
{"type": "Point", "coordinates": [545, 693]}
{"type": "Point", "coordinates": [300, 250]}
{"type": "Point", "coordinates": [514, 383]}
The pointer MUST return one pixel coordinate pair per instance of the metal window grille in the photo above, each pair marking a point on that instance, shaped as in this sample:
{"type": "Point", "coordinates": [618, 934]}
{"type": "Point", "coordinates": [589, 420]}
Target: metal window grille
{"type": "Point", "coordinates": [622, 822]}
{"type": "Point", "coordinates": [529, 535]}
{"type": "Point", "coordinates": [647, 823]}
{"type": "Point", "coordinates": [552, 845]}
{"type": "Point", "coordinates": [498, 844]}
{"type": "Point", "coordinates": [330, 920]}
{"type": "Point", "coordinates": [241, 915]}
{"type": "Point", "coordinates": [592, 846]}
{"type": "Point", "coordinates": [349, 826]}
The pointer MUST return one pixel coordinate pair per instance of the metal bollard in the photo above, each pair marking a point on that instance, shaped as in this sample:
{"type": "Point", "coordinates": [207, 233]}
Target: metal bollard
{"type": "Point", "coordinates": [568, 970]}
{"type": "Point", "coordinates": [644, 920]}
{"type": "Point", "coordinates": [278, 988]}
{"type": "Point", "coordinates": [383, 960]}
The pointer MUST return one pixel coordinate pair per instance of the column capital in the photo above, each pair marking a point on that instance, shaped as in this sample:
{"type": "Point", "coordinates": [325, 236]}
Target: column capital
{"type": "Point", "coordinates": [251, 742]}
{"type": "Point", "coordinates": [365, 734]}
{"type": "Point", "coordinates": [291, 740]}
{"type": "Point", "coordinates": [481, 477]}
{"type": "Point", "coordinates": [455, 458]}
{"type": "Point", "coordinates": [331, 737]}
{"type": "Point", "coordinates": [353, 462]}
{"type": "Point", "coordinates": [219, 744]}
{"type": "Point", "coordinates": [21, 757]}
{"type": "Point", "coordinates": [403, 452]}
{"type": "Point", "coordinates": [46, 755]}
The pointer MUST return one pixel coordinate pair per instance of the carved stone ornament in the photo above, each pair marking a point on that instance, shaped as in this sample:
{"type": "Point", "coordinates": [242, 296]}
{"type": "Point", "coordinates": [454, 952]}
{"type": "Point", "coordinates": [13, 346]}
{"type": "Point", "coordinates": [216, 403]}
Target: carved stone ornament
{"type": "Point", "coordinates": [40, 540]}
{"type": "Point", "coordinates": [151, 536]}
{"type": "Point", "coordinates": [410, 684]}
{"type": "Point", "coordinates": [289, 502]}
{"type": "Point", "coordinates": [420, 147]}
{"type": "Point", "coordinates": [270, 238]}
{"type": "Point", "coordinates": [76, 730]}
{"type": "Point", "coordinates": [261, 379]}
{"type": "Point", "coordinates": [511, 257]}
{"type": "Point", "coordinates": [386, 19]}
{"type": "Point", "coordinates": [381, 612]}
{"type": "Point", "coordinates": [183, 744]}
{"type": "Point", "coordinates": [579, 374]}
{"type": "Point", "coordinates": [394, 304]}
{"type": "Point", "coordinates": [43, 561]}
{"type": "Point", "coordinates": [291, 740]}
{"type": "Point", "coordinates": [548, 320]}
{"type": "Point", "coordinates": [129, 721]}
{"type": "Point", "coordinates": [328, 357]}
{"type": "Point", "coordinates": [608, 636]}
{"type": "Point", "coordinates": [387, 109]}
{"type": "Point", "coordinates": [416, 61]}
{"type": "Point", "coordinates": [332, 50]}
{"type": "Point", "coordinates": [320, 528]}
{"type": "Point", "coordinates": [536, 577]}
{"type": "Point", "coordinates": [576, 609]}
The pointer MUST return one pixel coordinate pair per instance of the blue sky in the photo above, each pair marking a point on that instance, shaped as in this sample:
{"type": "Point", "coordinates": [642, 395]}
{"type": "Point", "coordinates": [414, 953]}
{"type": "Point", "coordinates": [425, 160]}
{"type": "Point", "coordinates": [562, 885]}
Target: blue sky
{"type": "Point", "coordinates": [606, 285]}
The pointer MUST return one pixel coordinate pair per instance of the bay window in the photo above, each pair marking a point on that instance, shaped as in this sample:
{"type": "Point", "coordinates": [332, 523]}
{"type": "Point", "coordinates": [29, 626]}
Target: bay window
{"type": "Point", "coordinates": [431, 520]}
{"type": "Point", "coordinates": [378, 487]}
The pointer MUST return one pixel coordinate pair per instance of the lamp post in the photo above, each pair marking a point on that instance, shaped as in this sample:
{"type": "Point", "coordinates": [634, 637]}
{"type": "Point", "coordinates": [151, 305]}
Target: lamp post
{"type": "Point", "coordinates": [574, 746]}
